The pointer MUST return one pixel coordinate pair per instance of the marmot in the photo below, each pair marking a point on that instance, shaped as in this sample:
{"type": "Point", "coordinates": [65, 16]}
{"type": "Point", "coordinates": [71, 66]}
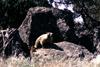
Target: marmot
{"type": "Point", "coordinates": [42, 39]}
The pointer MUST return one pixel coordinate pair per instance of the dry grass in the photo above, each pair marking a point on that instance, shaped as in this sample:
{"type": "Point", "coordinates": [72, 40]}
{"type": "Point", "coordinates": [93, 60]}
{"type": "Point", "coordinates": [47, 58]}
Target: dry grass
{"type": "Point", "coordinates": [22, 62]}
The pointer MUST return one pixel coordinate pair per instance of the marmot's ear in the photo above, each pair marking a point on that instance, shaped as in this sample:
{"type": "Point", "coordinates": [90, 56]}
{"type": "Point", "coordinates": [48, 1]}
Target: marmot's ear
{"type": "Point", "coordinates": [51, 34]}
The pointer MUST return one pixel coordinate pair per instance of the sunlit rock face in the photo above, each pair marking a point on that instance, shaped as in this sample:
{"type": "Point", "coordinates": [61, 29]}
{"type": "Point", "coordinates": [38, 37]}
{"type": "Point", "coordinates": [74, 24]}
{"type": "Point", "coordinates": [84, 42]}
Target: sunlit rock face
{"type": "Point", "coordinates": [78, 18]}
{"type": "Point", "coordinates": [67, 5]}
{"type": "Point", "coordinates": [62, 4]}
{"type": "Point", "coordinates": [96, 61]}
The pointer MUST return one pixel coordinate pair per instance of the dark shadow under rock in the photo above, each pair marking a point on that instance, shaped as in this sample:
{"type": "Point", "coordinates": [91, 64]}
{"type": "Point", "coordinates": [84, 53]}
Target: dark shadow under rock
{"type": "Point", "coordinates": [87, 42]}
{"type": "Point", "coordinates": [50, 46]}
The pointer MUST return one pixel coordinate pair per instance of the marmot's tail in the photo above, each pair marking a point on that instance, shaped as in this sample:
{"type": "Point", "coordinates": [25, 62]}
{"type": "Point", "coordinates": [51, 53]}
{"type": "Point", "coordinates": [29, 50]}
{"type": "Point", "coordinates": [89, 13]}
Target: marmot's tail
{"type": "Point", "coordinates": [33, 49]}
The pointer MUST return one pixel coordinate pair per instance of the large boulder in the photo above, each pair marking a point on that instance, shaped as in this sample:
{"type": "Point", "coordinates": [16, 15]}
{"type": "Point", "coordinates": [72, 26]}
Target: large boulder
{"type": "Point", "coordinates": [40, 20]}
{"type": "Point", "coordinates": [62, 51]}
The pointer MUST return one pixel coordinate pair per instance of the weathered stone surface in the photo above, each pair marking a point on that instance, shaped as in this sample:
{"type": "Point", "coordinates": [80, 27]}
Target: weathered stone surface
{"type": "Point", "coordinates": [40, 20]}
{"type": "Point", "coordinates": [62, 51]}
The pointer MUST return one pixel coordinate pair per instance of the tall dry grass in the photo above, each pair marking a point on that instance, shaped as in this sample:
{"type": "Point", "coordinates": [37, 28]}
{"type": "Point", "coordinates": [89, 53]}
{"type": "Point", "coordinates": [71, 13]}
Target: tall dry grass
{"type": "Point", "coordinates": [22, 62]}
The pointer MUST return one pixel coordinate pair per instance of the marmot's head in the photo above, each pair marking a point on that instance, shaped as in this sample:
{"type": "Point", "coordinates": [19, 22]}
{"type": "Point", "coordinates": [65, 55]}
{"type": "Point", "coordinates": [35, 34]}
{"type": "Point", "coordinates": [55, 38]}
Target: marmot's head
{"type": "Point", "coordinates": [50, 36]}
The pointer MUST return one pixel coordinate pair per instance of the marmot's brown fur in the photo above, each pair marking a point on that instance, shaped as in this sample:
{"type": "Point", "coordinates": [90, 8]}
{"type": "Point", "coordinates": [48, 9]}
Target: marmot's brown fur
{"type": "Point", "coordinates": [42, 39]}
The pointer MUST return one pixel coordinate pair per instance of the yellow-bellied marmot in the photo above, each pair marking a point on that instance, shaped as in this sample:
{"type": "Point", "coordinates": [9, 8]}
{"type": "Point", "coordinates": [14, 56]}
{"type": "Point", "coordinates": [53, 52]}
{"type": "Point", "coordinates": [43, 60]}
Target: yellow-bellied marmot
{"type": "Point", "coordinates": [42, 39]}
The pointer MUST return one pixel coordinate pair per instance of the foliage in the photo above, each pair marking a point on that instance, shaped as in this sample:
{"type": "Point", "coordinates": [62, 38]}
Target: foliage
{"type": "Point", "coordinates": [12, 12]}
{"type": "Point", "coordinates": [92, 7]}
